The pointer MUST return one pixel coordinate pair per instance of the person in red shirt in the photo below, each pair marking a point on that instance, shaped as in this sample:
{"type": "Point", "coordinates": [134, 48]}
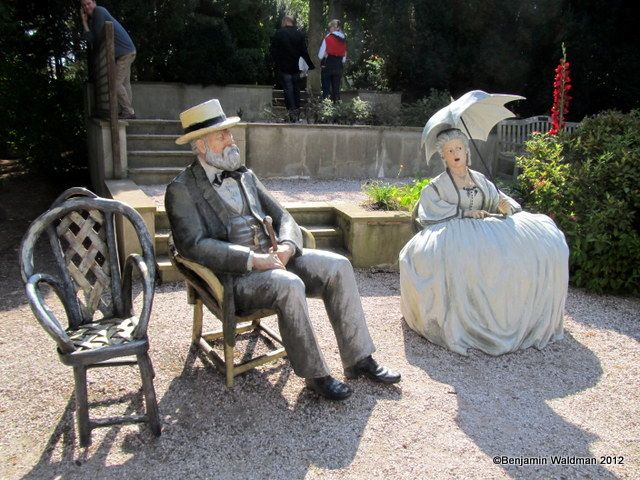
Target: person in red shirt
{"type": "Point", "coordinates": [333, 55]}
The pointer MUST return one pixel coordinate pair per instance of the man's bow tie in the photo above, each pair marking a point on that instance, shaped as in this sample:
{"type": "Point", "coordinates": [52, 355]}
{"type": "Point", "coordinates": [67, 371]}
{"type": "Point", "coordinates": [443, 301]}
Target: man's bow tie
{"type": "Point", "coordinates": [235, 174]}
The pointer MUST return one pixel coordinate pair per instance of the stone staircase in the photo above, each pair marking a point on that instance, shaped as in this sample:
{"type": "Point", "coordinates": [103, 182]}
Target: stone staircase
{"type": "Point", "coordinates": [152, 154]}
{"type": "Point", "coordinates": [155, 159]}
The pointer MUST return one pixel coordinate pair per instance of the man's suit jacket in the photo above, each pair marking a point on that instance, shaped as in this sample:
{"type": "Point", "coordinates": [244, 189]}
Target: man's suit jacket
{"type": "Point", "coordinates": [287, 46]}
{"type": "Point", "coordinates": [199, 220]}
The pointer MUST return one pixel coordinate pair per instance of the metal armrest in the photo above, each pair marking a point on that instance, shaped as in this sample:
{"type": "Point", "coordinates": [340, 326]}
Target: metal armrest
{"type": "Point", "coordinates": [137, 261]}
{"type": "Point", "coordinates": [44, 314]}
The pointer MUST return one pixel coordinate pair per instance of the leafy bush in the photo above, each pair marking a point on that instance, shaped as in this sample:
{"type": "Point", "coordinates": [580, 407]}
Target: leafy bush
{"type": "Point", "coordinates": [354, 112]}
{"type": "Point", "coordinates": [361, 112]}
{"type": "Point", "coordinates": [49, 136]}
{"type": "Point", "coordinates": [386, 196]}
{"type": "Point", "coordinates": [588, 182]}
{"type": "Point", "coordinates": [416, 114]}
{"type": "Point", "coordinates": [543, 181]}
{"type": "Point", "coordinates": [368, 74]}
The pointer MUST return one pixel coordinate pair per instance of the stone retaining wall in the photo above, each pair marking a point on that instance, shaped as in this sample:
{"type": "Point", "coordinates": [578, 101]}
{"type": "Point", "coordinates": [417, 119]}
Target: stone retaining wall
{"type": "Point", "coordinates": [343, 151]}
{"type": "Point", "coordinates": [167, 100]}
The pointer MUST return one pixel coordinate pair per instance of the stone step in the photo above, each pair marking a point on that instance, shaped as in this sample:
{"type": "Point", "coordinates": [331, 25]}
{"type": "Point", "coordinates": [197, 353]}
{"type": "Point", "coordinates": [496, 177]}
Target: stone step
{"type": "Point", "coordinates": [327, 237]}
{"type": "Point", "coordinates": [159, 158]}
{"type": "Point", "coordinates": [168, 273]}
{"type": "Point", "coordinates": [162, 221]}
{"type": "Point", "coordinates": [154, 126]}
{"type": "Point", "coordinates": [162, 241]}
{"type": "Point", "coordinates": [154, 175]}
{"type": "Point", "coordinates": [150, 141]}
{"type": "Point", "coordinates": [311, 213]}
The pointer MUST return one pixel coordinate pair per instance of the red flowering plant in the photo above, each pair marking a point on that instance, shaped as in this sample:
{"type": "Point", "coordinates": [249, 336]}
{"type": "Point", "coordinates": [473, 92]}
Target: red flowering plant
{"type": "Point", "coordinates": [561, 97]}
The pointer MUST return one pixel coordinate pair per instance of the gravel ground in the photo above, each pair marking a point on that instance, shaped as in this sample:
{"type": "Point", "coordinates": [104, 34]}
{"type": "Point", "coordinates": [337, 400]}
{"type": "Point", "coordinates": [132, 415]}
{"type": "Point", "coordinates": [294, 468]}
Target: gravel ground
{"type": "Point", "coordinates": [301, 189]}
{"type": "Point", "coordinates": [576, 399]}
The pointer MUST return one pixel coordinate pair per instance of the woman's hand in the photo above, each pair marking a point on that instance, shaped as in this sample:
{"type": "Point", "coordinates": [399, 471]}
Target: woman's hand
{"type": "Point", "coordinates": [504, 207]}
{"type": "Point", "coordinates": [476, 214]}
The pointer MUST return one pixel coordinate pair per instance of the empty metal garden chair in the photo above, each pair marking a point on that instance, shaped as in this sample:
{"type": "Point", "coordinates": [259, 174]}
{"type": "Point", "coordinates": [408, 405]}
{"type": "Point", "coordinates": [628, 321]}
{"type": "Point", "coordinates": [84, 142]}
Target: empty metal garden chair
{"type": "Point", "coordinates": [101, 329]}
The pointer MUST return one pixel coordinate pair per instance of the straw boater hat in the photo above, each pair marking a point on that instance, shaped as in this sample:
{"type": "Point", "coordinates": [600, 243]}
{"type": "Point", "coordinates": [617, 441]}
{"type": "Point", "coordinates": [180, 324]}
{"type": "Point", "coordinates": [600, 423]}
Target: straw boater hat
{"type": "Point", "coordinates": [202, 119]}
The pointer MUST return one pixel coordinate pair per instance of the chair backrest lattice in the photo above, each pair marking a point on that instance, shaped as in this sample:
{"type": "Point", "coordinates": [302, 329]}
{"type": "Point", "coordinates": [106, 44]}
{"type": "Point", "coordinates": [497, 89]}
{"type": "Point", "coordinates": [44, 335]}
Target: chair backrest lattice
{"type": "Point", "coordinates": [82, 238]}
{"type": "Point", "coordinates": [83, 241]}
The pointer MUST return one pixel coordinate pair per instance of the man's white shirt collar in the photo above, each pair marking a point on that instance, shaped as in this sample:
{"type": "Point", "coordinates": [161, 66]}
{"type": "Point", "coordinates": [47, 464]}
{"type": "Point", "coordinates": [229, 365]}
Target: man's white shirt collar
{"type": "Point", "coordinates": [210, 170]}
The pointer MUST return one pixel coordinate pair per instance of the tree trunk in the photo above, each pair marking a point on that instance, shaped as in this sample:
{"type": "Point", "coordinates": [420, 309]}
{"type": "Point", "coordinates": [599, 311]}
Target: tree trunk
{"type": "Point", "coordinates": [315, 35]}
{"type": "Point", "coordinates": [336, 10]}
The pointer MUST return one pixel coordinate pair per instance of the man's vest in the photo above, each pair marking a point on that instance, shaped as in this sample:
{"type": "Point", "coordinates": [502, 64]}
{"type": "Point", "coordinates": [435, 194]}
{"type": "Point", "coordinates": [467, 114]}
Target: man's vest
{"type": "Point", "coordinates": [245, 229]}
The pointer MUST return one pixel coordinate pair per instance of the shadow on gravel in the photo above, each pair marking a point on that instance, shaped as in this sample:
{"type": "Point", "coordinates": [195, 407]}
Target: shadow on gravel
{"type": "Point", "coordinates": [504, 402]}
{"type": "Point", "coordinates": [619, 314]}
{"type": "Point", "coordinates": [210, 431]}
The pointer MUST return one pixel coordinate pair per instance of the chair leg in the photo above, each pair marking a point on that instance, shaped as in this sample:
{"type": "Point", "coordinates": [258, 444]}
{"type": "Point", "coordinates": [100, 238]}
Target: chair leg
{"type": "Point", "coordinates": [228, 364]}
{"type": "Point", "coordinates": [147, 373]}
{"type": "Point", "coordinates": [82, 405]}
{"type": "Point", "coordinates": [197, 321]}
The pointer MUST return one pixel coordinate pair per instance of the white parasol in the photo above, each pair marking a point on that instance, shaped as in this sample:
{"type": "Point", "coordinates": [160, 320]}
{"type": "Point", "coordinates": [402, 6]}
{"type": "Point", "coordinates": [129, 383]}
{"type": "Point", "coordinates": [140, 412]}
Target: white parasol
{"type": "Point", "coordinates": [475, 113]}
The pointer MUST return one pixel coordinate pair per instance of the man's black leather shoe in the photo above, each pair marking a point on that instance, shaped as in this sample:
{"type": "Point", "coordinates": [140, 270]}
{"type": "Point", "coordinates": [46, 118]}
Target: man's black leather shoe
{"type": "Point", "coordinates": [370, 369]}
{"type": "Point", "coordinates": [328, 387]}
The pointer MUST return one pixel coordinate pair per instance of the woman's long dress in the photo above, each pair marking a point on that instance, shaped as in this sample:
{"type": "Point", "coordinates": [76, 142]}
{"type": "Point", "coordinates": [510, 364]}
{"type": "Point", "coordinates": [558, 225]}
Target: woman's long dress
{"type": "Point", "coordinates": [496, 284]}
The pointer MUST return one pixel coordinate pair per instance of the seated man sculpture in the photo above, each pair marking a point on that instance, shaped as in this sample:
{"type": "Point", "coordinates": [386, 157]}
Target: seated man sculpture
{"type": "Point", "coordinates": [216, 208]}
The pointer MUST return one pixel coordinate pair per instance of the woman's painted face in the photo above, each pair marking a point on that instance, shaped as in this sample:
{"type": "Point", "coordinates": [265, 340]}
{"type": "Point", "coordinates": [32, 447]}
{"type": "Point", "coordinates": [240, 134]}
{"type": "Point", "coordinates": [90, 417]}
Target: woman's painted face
{"type": "Point", "coordinates": [455, 154]}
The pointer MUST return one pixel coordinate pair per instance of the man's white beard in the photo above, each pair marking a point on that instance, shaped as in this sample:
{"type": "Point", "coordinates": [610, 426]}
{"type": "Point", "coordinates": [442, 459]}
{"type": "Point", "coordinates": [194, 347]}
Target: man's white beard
{"type": "Point", "coordinates": [229, 159]}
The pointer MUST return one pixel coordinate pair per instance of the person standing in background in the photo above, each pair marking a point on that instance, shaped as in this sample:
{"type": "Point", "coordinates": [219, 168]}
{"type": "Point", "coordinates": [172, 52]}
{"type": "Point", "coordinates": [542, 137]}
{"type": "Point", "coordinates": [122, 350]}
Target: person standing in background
{"type": "Point", "coordinates": [93, 19]}
{"type": "Point", "coordinates": [288, 45]}
{"type": "Point", "coordinates": [333, 52]}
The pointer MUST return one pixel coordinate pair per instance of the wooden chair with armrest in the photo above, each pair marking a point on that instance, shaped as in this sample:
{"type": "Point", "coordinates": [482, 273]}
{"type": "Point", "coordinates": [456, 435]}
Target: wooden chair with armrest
{"type": "Point", "coordinates": [215, 291]}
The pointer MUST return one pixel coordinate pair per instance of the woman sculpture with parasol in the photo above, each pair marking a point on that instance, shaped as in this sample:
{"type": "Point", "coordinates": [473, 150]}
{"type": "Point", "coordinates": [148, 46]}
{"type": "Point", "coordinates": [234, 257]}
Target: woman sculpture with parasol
{"type": "Point", "coordinates": [482, 273]}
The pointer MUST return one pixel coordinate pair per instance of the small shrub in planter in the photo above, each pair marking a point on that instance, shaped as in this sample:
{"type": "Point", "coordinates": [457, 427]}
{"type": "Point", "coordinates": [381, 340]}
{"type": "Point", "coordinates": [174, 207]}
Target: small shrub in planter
{"type": "Point", "coordinates": [386, 196]}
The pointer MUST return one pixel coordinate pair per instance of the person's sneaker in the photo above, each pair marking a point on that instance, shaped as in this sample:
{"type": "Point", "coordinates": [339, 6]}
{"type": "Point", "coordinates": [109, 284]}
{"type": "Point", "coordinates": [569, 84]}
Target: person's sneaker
{"type": "Point", "coordinates": [127, 116]}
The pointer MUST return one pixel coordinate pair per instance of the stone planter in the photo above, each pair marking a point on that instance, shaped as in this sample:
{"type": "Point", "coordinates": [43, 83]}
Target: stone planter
{"type": "Point", "coordinates": [373, 238]}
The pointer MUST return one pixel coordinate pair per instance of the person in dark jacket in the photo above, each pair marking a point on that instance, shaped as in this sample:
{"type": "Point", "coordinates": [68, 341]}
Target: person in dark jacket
{"type": "Point", "coordinates": [288, 45]}
{"type": "Point", "coordinates": [93, 18]}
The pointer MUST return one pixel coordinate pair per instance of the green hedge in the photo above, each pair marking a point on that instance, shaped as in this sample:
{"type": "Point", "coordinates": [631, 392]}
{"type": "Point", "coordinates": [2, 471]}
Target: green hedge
{"type": "Point", "coordinates": [589, 183]}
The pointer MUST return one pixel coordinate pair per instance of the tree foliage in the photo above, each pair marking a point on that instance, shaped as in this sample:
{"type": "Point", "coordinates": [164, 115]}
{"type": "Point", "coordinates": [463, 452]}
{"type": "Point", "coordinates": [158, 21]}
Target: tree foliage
{"type": "Point", "coordinates": [412, 46]}
{"type": "Point", "coordinates": [502, 46]}
{"type": "Point", "coordinates": [40, 87]}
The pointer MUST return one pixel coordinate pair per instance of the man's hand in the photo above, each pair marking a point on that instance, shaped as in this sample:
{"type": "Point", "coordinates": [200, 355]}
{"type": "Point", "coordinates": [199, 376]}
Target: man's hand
{"type": "Point", "coordinates": [267, 261]}
{"type": "Point", "coordinates": [285, 252]}
{"type": "Point", "coordinates": [84, 18]}
{"type": "Point", "coordinates": [476, 214]}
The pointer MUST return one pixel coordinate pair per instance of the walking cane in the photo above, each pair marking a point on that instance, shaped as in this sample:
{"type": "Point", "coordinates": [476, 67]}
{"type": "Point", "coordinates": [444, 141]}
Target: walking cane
{"type": "Point", "coordinates": [268, 224]}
